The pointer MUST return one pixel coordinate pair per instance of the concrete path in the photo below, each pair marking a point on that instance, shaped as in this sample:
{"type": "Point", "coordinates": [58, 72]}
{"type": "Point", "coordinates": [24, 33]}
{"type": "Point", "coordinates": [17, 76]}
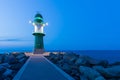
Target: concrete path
{"type": "Point", "coordinates": [38, 67]}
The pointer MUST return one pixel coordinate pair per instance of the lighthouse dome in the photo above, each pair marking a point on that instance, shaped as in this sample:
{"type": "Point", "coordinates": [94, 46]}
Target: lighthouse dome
{"type": "Point", "coordinates": [38, 18]}
{"type": "Point", "coordinates": [38, 15]}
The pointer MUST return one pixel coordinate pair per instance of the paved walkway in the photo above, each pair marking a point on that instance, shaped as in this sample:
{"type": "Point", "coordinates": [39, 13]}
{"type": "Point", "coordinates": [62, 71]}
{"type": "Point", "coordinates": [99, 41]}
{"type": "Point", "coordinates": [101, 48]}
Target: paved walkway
{"type": "Point", "coordinates": [38, 67]}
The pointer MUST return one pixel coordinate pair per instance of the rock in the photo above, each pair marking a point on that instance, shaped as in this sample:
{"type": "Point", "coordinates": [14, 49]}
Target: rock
{"type": "Point", "coordinates": [9, 65]}
{"type": "Point", "coordinates": [73, 59]}
{"type": "Point", "coordinates": [20, 56]}
{"type": "Point", "coordinates": [1, 78]}
{"type": "Point", "coordinates": [16, 54]}
{"type": "Point", "coordinates": [102, 71]}
{"type": "Point", "coordinates": [55, 57]}
{"type": "Point", "coordinates": [76, 77]}
{"type": "Point", "coordinates": [7, 73]}
{"type": "Point", "coordinates": [2, 69]}
{"type": "Point", "coordinates": [90, 73]}
{"type": "Point", "coordinates": [100, 78]}
{"type": "Point", "coordinates": [81, 62]}
{"type": "Point", "coordinates": [66, 68]}
{"type": "Point", "coordinates": [113, 79]}
{"type": "Point", "coordinates": [22, 60]}
{"type": "Point", "coordinates": [103, 63]}
{"type": "Point", "coordinates": [10, 59]}
{"type": "Point", "coordinates": [85, 67]}
{"type": "Point", "coordinates": [75, 72]}
{"type": "Point", "coordinates": [112, 72]}
{"type": "Point", "coordinates": [59, 56]}
{"type": "Point", "coordinates": [52, 56]}
{"type": "Point", "coordinates": [13, 73]}
{"type": "Point", "coordinates": [5, 60]}
{"type": "Point", "coordinates": [61, 61]}
{"type": "Point", "coordinates": [16, 66]}
{"type": "Point", "coordinates": [115, 64]}
{"type": "Point", "coordinates": [70, 58]}
{"type": "Point", "coordinates": [83, 77]}
{"type": "Point", "coordinates": [6, 65]}
{"type": "Point", "coordinates": [1, 58]}
{"type": "Point", "coordinates": [88, 61]}
{"type": "Point", "coordinates": [74, 67]}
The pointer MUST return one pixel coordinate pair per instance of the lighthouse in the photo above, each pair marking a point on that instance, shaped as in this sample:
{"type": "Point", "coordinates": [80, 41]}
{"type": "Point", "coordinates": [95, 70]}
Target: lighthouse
{"type": "Point", "coordinates": [38, 33]}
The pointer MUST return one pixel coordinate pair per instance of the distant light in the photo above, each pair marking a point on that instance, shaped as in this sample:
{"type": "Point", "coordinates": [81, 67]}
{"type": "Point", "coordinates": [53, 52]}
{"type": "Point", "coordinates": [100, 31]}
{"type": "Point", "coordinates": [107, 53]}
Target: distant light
{"type": "Point", "coordinates": [46, 24]}
{"type": "Point", "coordinates": [30, 21]}
{"type": "Point", "coordinates": [33, 24]}
{"type": "Point", "coordinates": [43, 24]}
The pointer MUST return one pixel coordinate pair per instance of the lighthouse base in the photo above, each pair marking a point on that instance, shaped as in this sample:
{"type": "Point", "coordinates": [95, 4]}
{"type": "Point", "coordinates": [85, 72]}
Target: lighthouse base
{"type": "Point", "coordinates": [39, 51]}
{"type": "Point", "coordinates": [39, 40]}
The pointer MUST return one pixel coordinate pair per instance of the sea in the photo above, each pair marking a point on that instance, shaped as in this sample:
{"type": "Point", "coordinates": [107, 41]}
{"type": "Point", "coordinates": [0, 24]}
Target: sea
{"type": "Point", "coordinates": [110, 55]}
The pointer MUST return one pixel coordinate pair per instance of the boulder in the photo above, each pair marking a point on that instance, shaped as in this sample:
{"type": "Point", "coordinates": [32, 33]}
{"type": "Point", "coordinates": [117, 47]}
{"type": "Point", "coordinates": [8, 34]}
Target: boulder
{"type": "Point", "coordinates": [5, 59]}
{"type": "Point", "coordinates": [76, 77]}
{"type": "Point", "coordinates": [81, 62]}
{"type": "Point", "coordinates": [7, 73]}
{"type": "Point", "coordinates": [100, 78]}
{"type": "Point", "coordinates": [10, 59]}
{"type": "Point", "coordinates": [1, 58]}
{"type": "Point", "coordinates": [70, 58]}
{"type": "Point", "coordinates": [115, 64]}
{"type": "Point", "coordinates": [102, 71]}
{"type": "Point", "coordinates": [55, 57]}
{"type": "Point", "coordinates": [51, 56]}
{"type": "Point", "coordinates": [73, 59]}
{"type": "Point", "coordinates": [10, 64]}
{"type": "Point", "coordinates": [22, 60]}
{"type": "Point", "coordinates": [74, 72]}
{"type": "Point", "coordinates": [20, 56]}
{"type": "Point", "coordinates": [6, 65]}
{"type": "Point", "coordinates": [1, 78]}
{"type": "Point", "coordinates": [88, 61]}
{"type": "Point", "coordinates": [114, 70]}
{"type": "Point", "coordinates": [111, 72]}
{"type": "Point", "coordinates": [61, 61]}
{"type": "Point", "coordinates": [74, 67]}
{"type": "Point", "coordinates": [2, 69]}
{"type": "Point", "coordinates": [59, 55]}
{"type": "Point", "coordinates": [103, 63]}
{"type": "Point", "coordinates": [67, 68]}
{"type": "Point", "coordinates": [16, 66]}
{"type": "Point", "coordinates": [113, 79]}
{"type": "Point", "coordinates": [83, 77]}
{"type": "Point", "coordinates": [16, 54]}
{"type": "Point", "coordinates": [90, 73]}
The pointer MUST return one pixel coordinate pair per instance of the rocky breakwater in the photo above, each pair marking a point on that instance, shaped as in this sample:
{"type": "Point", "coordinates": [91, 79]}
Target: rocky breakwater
{"type": "Point", "coordinates": [85, 67]}
{"type": "Point", "coordinates": [10, 64]}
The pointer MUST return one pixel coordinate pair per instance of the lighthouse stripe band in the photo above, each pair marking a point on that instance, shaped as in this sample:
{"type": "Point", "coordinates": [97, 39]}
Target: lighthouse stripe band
{"type": "Point", "coordinates": [38, 18]}
{"type": "Point", "coordinates": [38, 22]}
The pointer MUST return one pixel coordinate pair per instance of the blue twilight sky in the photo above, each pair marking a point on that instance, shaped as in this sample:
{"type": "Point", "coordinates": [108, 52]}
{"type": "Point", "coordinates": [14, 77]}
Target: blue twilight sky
{"type": "Point", "coordinates": [73, 24]}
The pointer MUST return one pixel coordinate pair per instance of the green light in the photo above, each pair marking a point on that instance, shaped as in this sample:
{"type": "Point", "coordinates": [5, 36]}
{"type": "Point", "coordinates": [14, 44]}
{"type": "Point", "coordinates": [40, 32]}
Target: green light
{"type": "Point", "coordinates": [39, 18]}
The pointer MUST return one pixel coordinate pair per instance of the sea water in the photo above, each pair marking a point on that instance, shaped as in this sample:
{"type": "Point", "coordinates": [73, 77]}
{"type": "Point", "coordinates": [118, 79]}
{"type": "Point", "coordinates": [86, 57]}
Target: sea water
{"type": "Point", "coordinates": [110, 55]}
{"type": "Point", "coordinates": [15, 49]}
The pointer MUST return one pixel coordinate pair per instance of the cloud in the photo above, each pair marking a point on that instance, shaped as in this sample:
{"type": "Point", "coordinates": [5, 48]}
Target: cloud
{"type": "Point", "coordinates": [11, 39]}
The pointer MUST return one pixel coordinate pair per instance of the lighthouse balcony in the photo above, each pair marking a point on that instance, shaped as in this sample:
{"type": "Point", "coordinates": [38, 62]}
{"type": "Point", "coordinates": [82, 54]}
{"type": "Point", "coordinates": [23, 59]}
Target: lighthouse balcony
{"type": "Point", "coordinates": [38, 33]}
